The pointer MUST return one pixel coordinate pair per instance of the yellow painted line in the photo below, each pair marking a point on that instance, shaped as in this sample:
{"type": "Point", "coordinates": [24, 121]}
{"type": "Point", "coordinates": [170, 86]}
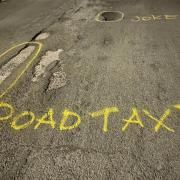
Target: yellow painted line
{"type": "Point", "coordinates": [27, 65]}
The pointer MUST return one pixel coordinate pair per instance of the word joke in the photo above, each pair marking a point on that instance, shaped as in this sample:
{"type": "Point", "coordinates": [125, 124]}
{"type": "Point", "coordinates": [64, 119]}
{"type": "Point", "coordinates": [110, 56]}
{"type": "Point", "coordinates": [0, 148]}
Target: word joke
{"type": "Point", "coordinates": [154, 18]}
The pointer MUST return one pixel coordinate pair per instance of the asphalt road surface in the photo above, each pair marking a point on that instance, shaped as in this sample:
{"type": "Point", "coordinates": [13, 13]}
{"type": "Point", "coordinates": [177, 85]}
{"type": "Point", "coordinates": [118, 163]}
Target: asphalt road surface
{"type": "Point", "coordinates": [90, 90]}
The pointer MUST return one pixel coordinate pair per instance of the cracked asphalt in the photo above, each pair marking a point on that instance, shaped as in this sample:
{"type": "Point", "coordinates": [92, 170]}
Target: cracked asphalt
{"type": "Point", "coordinates": [85, 66]}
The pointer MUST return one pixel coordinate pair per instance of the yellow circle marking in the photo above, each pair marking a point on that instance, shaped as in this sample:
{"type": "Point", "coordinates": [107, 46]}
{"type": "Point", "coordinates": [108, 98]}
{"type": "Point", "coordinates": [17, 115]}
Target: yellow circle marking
{"type": "Point", "coordinates": [97, 18]}
{"type": "Point", "coordinates": [27, 65]}
{"type": "Point", "coordinates": [6, 105]}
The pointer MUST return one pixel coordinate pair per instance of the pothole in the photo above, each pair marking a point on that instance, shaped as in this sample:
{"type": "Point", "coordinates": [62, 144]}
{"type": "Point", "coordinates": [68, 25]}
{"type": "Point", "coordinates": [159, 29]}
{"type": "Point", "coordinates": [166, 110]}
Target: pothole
{"type": "Point", "coordinates": [110, 16]}
{"type": "Point", "coordinates": [58, 80]}
{"type": "Point", "coordinates": [49, 58]}
{"type": "Point", "coordinates": [42, 36]}
{"type": "Point", "coordinates": [15, 62]}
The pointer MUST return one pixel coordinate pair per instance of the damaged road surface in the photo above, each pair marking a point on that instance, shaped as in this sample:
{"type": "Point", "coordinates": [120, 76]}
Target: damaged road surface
{"type": "Point", "coordinates": [89, 90]}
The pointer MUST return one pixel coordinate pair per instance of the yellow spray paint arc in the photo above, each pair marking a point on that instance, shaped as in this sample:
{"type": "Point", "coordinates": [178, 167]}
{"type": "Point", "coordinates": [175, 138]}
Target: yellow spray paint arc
{"type": "Point", "coordinates": [34, 56]}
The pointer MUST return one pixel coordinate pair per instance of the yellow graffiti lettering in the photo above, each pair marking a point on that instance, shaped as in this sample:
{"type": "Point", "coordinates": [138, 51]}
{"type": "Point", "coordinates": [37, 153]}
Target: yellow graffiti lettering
{"type": "Point", "coordinates": [66, 115]}
{"type": "Point", "coordinates": [177, 106]}
{"type": "Point", "coordinates": [157, 17]}
{"type": "Point", "coordinates": [25, 125]}
{"type": "Point", "coordinates": [105, 112]}
{"type": "Point", "coordinates": [170, 17]}
{"type": "Point", "coordinates": [160, 121]}
{"type": "Point", "coordinates": [47, 119]}
{"type": "Point", "coordinates": [10, 109]}
{"type": "Point", "coordinates": [134, 119]}
{"type": "Point", "coordinates": [137, 19]}
{"type": "Point", "coordinates": [33, 57]}
{"type": "Point", "coordinates": [146, 18]}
